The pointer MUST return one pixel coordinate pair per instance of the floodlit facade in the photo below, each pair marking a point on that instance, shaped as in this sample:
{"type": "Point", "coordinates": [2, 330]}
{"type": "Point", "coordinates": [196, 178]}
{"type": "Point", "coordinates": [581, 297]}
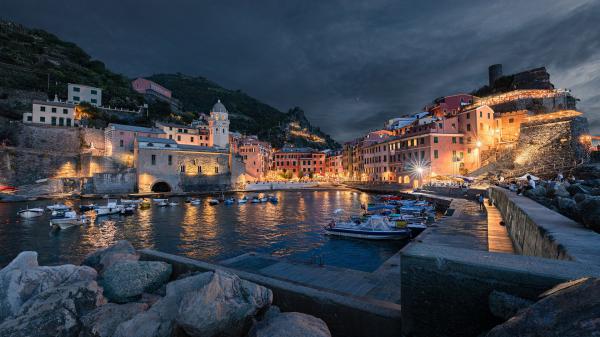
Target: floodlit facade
{"type": "Point", "coordinates": [79, 93]}
{"type": "Point", "coordinates": [53, 113]}
{"type": "Point", "coordinates": [218, 126]}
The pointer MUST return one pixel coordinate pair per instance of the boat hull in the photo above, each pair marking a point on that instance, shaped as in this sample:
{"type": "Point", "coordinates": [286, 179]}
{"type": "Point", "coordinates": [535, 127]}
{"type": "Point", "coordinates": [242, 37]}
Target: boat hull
{"type": "Point", "coordinates": [370, 235]}
{"type": "Point", "coordinates": [28, 214]}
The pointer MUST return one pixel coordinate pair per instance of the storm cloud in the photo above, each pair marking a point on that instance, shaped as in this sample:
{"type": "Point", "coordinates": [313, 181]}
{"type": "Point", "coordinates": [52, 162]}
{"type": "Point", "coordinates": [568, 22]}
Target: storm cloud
{"type": "Point", "coordinates": [349, 65]}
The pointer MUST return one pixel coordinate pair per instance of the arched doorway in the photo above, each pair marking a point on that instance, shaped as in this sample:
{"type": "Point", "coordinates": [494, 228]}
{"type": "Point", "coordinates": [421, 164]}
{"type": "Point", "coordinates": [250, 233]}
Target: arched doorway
{"type": "Point", "coordinates": [160, 187]}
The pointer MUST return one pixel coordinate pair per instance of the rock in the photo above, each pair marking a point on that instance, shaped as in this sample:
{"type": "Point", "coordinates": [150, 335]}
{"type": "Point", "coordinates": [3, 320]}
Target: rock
{"type": "Point", "coordinates": [577, 188]}
{"type": "Point", "coordinates": [290, 324]}
{"type": "Point", "coordinates": [271, 312]}
{"type": "Point", "coordinates": [159, 320]}
{"type": "Point", "coordinates": [565, 311]}
{"type": "Point", "coordinates": [103, 321]}
{"type": "Point", "coordinates": [561, 191]}
{"type": "Point", "coordinates": [23, 278]}
{"type": "Point", "coordinates": [54, 312]}
{"type": "Point", "coordinates": [104, 258]}
{"type": "Point", "coordinates": [589, 210]}
{"type": "Point", "coordinates": [579, 197]}
{"type": "Point", "coordinates": [127, 280]}
{"type": "Point", "coordinates": [567, 206]}
{"type": "Point", "coordinates": [225, 306]}
{"type": "Point", "coordinates": [505, 306]}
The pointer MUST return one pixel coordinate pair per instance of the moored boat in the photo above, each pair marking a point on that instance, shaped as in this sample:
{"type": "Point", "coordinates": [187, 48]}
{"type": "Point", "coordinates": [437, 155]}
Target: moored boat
{"type": "Point", "coordinates": [111, 207]}
{"type": "Point", "coordinates": [88, 207]}
{"type": "Point", "coordinates": [57, 207]}
{"type": "Point", "coordinates": [29, 213]}
{"type": "Point", "coordinates": [243, 200]}
{"type": "Point", "coordinates": [229, 201]}
{"type": "Point", "coordinates": [195, 201]}
{"type": "Point", "coordinates": [213, 201]}
{"type": "Point", "coordinates": [273, 199]}
{"type": "Point", "coordinates": [130, 201]}
{"type": "Point", "coordinates": [68, 220]}
{"type": "Point", "coordinates": [373, 228]}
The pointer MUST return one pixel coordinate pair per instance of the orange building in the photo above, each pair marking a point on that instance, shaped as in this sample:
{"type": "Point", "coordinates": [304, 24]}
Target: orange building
{"type": "Point", "coordinates": [299, 162]}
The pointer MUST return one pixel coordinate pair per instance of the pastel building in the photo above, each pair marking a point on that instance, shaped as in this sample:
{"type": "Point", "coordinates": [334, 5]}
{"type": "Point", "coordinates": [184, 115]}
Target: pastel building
{"type": "Point", "coordinates": [54, 113]}
{"type": "Point", "coordinates": [449, 105]}
{"type": "Point", "coordinates": [256, 156]}
{"type": "Point", "coordinates": [79, 93]}
{"type": "Point", "coordinates": [334, 167]}
{"type": "Point", "coordinates": [120, 140]}
{"type": "Point", "coordinates": [299, 162]}
{"type": "Point", "coordinates": [184, 134]}
{"type": "Point", "coordinates": [155, 92]}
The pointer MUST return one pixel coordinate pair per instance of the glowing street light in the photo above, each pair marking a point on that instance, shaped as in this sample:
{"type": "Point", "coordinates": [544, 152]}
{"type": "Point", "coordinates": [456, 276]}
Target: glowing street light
{"type": "Point", "coordinates": [478, 143]}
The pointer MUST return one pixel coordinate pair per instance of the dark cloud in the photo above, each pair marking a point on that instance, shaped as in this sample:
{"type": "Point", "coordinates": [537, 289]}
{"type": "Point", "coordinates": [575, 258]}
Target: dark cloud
{"type": "Point", "coordinates": [350, 65]}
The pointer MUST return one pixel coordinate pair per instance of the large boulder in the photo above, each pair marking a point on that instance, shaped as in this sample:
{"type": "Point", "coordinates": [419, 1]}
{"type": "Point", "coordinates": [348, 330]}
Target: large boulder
{"type": "Point", "coordinates": [503, 305]}
{"type": "Point", "coordinates": [23, 278]}
{"type": "Point", "coordinates": [290, 324]}
{"type": "Point", "coordinates": [567, 206]}
{"type": "Point", "coordinates": [54, 312]}
{"type": "Point", "coordinates": [589, 211]}
{"type": "Point", "coordinates": [226, 306]}
{"type": "Point", "coordinates": [577, 188]}
{"type": "Point", "coordinates": [126, 281]}
{"type": "Point", "coordinates": [106, 257]}
{"type": "Point", "coordinates": [159, 320]}
{"type": "Point", "coordinates": [561, 191]}
{"type": "Point", "coordinates": [103, 321]}
{"type": "Point", "coordinates": [568, 310]}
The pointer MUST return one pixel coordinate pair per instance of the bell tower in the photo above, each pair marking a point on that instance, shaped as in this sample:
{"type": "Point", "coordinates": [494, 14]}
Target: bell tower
{"type": "Point", "coordinates": [218, 126]}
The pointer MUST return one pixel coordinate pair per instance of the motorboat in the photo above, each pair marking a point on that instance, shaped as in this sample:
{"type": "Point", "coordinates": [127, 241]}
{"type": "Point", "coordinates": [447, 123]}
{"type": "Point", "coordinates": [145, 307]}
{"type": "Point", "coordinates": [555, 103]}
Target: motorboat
{"type": "Point", "coordinates": [173, 203]}
{"type": "Point", "coordinates": [145, 204]}
{"type": "Point", "coordinates": [390, 198]}
{"type": "Point", "coordinates": [127, 210]}
{"type": "Point", "coordinates": [88, 207]}
{"type": "Point", "coordinates": [273, 199]}
{"type": "Point", "coordinates": [243, 200]}
{"type": "Point", "coordinates": [264, 199]}
{"type": "Point", "coordinates": [163, 203]}
{"type": "Point", "coordinates": [373, 228]}
{"type": "Point", "coordinates": [158, 201]}
{"type": "Point", "coordinates": [255, 200]}
{"type": "Point", "coordinates": [29, 213]}
{"type": "Point", "coordinates": [70, 219]}
{"type": "Point", "coordinates": [213, 201]}
{"type": "Point", "coordinates": [229, 201]}
{"type": "Point", "coordinates": [111, 207]}
{"type": "Point", "coordinates": [376, 207]}
{"type": "Point", "coordinates": [57, 207]}
{"type": "Point", "coordinates": [130, 201]}
{"type": "Point", "coordinates": [195, 202]}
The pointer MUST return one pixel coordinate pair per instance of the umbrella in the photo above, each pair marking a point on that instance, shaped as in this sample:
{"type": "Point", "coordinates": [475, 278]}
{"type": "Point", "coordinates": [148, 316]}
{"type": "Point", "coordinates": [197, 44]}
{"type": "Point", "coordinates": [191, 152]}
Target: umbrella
{"type": "Point", "coordinates": [524, 177]}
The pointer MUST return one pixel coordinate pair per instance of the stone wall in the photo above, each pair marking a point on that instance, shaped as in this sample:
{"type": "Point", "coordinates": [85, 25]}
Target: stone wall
{"type": "Point", "coordinates": [102, 183]}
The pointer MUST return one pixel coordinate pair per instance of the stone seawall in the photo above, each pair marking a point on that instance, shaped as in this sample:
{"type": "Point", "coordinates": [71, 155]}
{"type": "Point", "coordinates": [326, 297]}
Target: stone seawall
{"type": "Point", "coordinates": [539, 231]}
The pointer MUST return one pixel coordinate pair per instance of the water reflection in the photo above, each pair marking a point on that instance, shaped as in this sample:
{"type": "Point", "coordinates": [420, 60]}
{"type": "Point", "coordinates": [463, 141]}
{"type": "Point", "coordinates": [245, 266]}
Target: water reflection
{"type": "Point", "coordinates": [291, 228]}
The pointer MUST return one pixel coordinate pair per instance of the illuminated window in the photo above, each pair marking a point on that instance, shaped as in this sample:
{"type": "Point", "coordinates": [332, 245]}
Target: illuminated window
{"type": "Point", "coordinates": [182, 168]}
{"type": "Point", "coordinates": [199, 169]}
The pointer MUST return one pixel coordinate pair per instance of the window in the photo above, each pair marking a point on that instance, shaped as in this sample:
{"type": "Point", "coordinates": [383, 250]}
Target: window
{"type": "Point", "coordinates": [42, 108]}
{"type": "Point", "coordinates": [460, 140]}
{"type": "Point", "coordinates": [223, 130]}
{"type": "Point", "coordinates": [511, 120]}
{"type": "Point", "coordinates": [121, 143]}
{"type": "Point", "coordinates": [30, 118]}
{"type": "Point", "coordinates": [481, 114]}
{"type": "Point", "coordinates": [61, 121]}
{"type": "Point", "coordinates": [171, 160]}
{"type": "Point", "coordinates": [192, 139]}
{"type": "Point", "coordinates": [178, 138]}
{"type": "Point", "coordinates": [170, 136]}
{"type": "Point", "coordinates": [76, 89]}
{"type": "Point", "coordinates": [440, 125]}
{"type": "Point", "coordinates": [422, 154]}
{"type": "Point", "coordinates": [182, 168]}
{"type": "Point", "coordinates": [481, 126]}
{"type": "Point", "coordinates": [93, 100]}
{"type": "Point", "coordinates": [217, 169]}
{"type": "Point", "coordinates": [68, 121]}
{"type": "Point", "coordinates": [468, 115]}
{"type": "Point", "coordinates": [488, 115]}
{"type": "Point", "coordinates": [468, 127]}
{"type": "Point", "coordinates": [54, 110]}
{"type": "Point", "coordinates": [42, 119]}
{"type": "Point", "coordinates": [468, 150]}
{"type": "Point", "coordinates": [435, 154]}
{"type": "Point", "coordinates": [199, 169]}
{"type": "Point", "coordinates": [153, 158]}
{"type": "Point", "coordinates": [453, 140]}
{"type": "Point", "coordinates": [435, 140]}
{"type": "Point", "coordinates": [65, 111]}
{"type": "Point", "coordinates": [53, 120]}
{"type": "Point", "coordinates": [94, 92]}
{"type": "Point", "coordinates": [422, 140]}
{"type": "Point", "coordinates": [76, 98]}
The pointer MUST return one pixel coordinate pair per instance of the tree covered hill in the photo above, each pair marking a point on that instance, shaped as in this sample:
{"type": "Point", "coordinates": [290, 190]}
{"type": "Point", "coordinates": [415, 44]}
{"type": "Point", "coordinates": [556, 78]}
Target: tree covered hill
{"type": "Point", "coordinates": [35, 64]}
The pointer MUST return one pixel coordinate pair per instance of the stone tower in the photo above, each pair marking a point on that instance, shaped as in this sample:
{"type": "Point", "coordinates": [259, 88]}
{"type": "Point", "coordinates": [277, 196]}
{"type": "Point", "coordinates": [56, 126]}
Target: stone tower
{"type": "Point", "coordinates": [218, 126]}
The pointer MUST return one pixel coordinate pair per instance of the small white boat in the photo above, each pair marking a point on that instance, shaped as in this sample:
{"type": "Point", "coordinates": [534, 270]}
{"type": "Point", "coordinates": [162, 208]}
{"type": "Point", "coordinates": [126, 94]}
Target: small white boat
{"type": "Point", "coordinates": [242, 200]}
{"type": "Point", "coordinates": [158, 201]}
{"type": "Point", "coordinates": [264, 199]}
{"type": "Point", "coordinates": [57, 207]}
{"type": "Point", "coordinates": [213, 201]}
{"type": "Point", "coordinates": [374, 228]}
{"type": "Point", "coordinates": [273, 199]}
{"type": "Point", "coordinates": [128, 210]}
{"type": "Point", "coordinates": [69, 220]}
{"type": "Point", "coordinates": [163, 203]}
{"type": "Point", "coordinates": [173, 203]}
{"type": "Point", "coordinates": [229, 201]}
{"type": "Point", "coordinates": [255, 200]}
{"type": "Point", "coordinates": [111, 207]}
{"type": "Point", "coordinates": [29, 213]}
{"type": "Point", "coordinates": [195, 202]}
{"type": "Point", "coordinates": [130, 201]}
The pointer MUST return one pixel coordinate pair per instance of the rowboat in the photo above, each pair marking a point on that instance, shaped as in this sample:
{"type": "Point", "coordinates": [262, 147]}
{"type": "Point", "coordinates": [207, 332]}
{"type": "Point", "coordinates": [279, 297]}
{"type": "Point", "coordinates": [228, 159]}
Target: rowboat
{"type": "Point", "coordinates": [29, 213]}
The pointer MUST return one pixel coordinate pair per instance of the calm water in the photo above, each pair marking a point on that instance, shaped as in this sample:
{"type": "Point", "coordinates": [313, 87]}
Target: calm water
{"type": "Point", "coordinates": [291, 228]}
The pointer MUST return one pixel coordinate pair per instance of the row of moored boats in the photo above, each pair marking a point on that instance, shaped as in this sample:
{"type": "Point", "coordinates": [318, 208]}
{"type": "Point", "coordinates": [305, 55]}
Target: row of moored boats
{"type": "Point", "coordinates": [391, 218]}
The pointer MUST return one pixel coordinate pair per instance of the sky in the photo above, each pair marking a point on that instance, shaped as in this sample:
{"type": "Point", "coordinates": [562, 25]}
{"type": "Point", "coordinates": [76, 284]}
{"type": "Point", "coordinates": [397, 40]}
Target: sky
{"type": "Point", "coordinates": [350, 65]}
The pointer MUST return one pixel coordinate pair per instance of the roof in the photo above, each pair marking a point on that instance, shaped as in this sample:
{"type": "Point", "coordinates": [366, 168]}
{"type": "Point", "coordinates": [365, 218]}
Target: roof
{"type": "Point", "coordinates": [219, 107]}
{"type": "Point", "coordinates": [173, 125]}
{"type": "Point", "coordinates": [201, 148]}
{"type": "Point", "coordinates": [296, 149]}
{"type": "Point", "coordinates": [156, 140]}
{"type": "Point", "coordinates": [83, 85]}
{"type": "Point", "coordinates": [134, 128]}
{"type": "Point", "coordinates": [54, 103]}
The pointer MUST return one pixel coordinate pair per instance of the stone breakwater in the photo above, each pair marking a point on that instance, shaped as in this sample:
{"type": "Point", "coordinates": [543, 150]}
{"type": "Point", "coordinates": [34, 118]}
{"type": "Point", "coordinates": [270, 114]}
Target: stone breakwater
{"type": "Point", "coordinates": [114, 294]}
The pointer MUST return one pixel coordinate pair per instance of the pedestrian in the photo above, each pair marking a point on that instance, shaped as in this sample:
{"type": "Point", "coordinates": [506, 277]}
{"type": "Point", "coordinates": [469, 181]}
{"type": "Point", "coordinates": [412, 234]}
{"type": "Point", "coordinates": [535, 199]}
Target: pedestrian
{"type": "Point", "coordinates": [560, 177]}
{"type": "Point", "coordinates": [480, 201]}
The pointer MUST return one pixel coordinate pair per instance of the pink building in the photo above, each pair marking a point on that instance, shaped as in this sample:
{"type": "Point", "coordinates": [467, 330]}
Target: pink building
{"type": "Point", "coordinates": [120, 139]}
{"type": "Point", "coordinates": [143, 85]}
{"type": "Point", "coordinates": [256, 156]}
{"type": "Point", "coordinates": [334, 167]}
{"type": "Point", "coordinates": [449, 105]}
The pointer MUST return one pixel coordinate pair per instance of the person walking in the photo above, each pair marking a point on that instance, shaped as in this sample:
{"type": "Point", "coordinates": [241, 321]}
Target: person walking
{"type": "Point", "coordinates": [480, 201]}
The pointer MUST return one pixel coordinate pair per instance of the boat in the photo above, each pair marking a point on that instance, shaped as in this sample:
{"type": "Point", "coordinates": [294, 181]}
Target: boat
{"type": "Point", "coordinates": [29, 213]}
{"type": "Point", "coordinates": [70, 219]}
{"type": "Point", "coordinates": [273, 199]}
{"type": "Point", "coordinates": [373, 228]}
{"type": "Point", "coordinates": [88, 207]}
{"type": "Point", "coordinates": [195, 202]}
{"type": "Point", "coordinates": [376, 207]}
{"type": "Point", "coordinates": [229, 201]}
{"type": "Point", "coordinates": [111, 207]}
{"type": "Point", "coordinates": [264, 199]}
{"type": "Point", "coordinates": [416, 228]}
{"type": "Point", "coordinates": [57, 207]}
{"type": "Point", "coordinates": [158, 201]}
{"type": "Point", "coordinates": [222, 198]}
{"type": "Point", "coordinates": [390, 198]}
{"type": "Point", "coordinates": [213, 201]}
{"type": "Point", "coordinates": [145, 204]}
{"type": "Point", "coordinates": [173, 203]}
{"type": "Point", "coordinates": [130, 201]}
{"type": "Point", "coordinates": [243, 200]}
{"type": "Point", "coordinates": [163, 203]}
{"type": "Point", "coordinates": [128, 210]}
{"type": "Point", "coordinates": [255, 200]}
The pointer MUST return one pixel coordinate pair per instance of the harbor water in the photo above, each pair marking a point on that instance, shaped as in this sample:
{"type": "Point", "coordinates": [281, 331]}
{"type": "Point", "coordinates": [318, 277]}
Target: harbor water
{"type": "Point", "coordinates": [292, 228]}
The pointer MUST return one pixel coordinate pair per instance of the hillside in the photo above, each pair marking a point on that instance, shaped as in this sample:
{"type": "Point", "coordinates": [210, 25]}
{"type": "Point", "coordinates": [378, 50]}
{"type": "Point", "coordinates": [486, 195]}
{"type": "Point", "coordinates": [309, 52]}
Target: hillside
{"type": "Point", "coordinates": [247, 114]}
{"type": "Point", "coordinates": [35, 64]}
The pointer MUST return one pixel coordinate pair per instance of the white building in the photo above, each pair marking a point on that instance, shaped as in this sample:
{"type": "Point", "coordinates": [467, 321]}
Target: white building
{"type": "Point", "coordinates": [82, 93]}
{"type": "Point", "coordinates": [51, 113]}
{"type": "Point", "coordinates": [218, 126]}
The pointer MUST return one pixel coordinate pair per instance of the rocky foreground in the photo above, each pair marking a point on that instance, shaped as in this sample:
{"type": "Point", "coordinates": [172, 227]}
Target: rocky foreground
{"type": "Point", "coordinates": [113, 294]}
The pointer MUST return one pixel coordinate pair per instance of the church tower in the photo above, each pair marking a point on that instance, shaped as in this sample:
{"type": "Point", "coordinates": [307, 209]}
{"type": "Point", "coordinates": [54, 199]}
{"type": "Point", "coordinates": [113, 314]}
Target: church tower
{"type": "Point", "coordinates": [218, 126]}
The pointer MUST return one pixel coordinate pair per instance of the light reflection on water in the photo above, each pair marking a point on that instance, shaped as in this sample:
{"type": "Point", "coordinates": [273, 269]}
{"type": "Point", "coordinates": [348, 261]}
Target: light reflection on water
{"type": "Point", "coordinates": [291, 228]}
